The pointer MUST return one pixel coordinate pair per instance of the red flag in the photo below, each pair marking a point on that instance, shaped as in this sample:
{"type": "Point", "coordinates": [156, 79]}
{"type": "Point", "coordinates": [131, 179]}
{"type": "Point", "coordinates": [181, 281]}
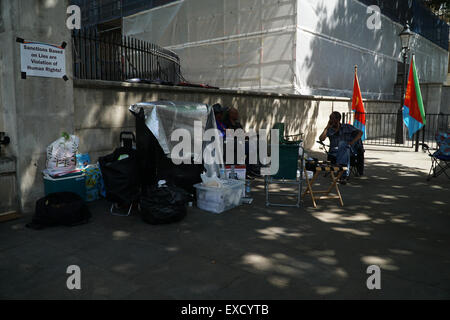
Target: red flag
{"type": "Point", "coordinates": [358, 106]}
{"type": "Point", "coordinates": [413, 110]}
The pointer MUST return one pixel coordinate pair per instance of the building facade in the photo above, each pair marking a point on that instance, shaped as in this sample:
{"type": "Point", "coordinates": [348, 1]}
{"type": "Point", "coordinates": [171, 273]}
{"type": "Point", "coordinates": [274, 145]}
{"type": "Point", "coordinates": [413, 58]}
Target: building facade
{"type": "Point", "coordinates": [307, 47]}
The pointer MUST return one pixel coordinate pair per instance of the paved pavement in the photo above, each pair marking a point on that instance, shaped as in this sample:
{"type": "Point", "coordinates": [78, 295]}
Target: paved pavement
{"type": "Point", "coordinates": [392, 218]}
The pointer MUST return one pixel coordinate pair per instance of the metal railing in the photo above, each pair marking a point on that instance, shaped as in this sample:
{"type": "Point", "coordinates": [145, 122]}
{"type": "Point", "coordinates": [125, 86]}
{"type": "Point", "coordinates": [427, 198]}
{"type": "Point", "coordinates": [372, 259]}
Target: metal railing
{"type": "Point", "coordinates": [434, 123]}
{"type": "Point", "coordinates": [117, 58]}
{"type": "Point", "coordinates": [380, 129]}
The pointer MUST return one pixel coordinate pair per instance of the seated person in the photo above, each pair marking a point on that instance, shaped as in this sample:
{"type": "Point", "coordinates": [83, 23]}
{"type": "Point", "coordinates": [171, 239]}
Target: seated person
{"type": "Point", "coordinates": [232, 119]}
{"type": "Point", "coordinates": [218, 113]}
{"type": "Point", "coordinates": [232, 122]}
{"type": "Point", "coordinates": [343, 140]}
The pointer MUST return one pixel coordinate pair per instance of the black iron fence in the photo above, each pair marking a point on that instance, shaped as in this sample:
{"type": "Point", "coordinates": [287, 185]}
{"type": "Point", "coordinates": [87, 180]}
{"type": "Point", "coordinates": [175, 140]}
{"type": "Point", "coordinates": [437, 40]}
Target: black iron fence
{"type": "Point", "coordinates": [115, 57]}
{"type": "Point", "coordinates": [434, 123]}
{"type": "Point", "coordinates": [381, 129]}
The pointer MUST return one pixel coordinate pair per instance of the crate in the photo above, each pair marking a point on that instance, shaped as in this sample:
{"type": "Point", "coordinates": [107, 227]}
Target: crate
{"type": "Point", "coordinates": [218, 200]}
{"type": "Point", "coordinates": [74, 182]}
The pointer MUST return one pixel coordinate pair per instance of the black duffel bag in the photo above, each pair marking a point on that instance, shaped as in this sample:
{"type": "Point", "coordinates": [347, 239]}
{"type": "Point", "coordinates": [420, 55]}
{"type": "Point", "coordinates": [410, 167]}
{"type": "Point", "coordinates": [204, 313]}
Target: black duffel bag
{"type": "Point", "coordinates": [60, 209]}
{"type": "Point", "coordinates": [164, 205]}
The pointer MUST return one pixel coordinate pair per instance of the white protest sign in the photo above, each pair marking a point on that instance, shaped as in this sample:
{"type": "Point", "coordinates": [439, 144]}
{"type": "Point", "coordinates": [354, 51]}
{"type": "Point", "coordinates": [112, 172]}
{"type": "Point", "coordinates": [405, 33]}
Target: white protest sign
{"type": "Point", "coordinates": [43, 60]}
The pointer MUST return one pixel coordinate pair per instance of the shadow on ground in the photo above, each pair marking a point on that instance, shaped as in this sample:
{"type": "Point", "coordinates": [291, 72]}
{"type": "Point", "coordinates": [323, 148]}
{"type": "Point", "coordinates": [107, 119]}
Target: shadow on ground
{"type": "Point", "coordinates": [392, 218]}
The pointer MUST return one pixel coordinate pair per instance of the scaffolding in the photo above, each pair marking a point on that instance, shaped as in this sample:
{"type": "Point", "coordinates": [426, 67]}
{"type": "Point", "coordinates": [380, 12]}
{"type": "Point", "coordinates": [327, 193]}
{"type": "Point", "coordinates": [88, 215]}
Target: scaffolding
{"type": "Point", "coordinates": [245, 44]}
{"type": "Point", "coordinates": [307, 47]}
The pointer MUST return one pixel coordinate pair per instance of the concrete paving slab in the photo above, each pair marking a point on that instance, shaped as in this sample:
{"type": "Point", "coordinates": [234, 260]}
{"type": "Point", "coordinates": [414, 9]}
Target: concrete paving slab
{"type": "Point", "coordinates": [188, 277]}
{"type": "Point", "coordinates": [392, 218]}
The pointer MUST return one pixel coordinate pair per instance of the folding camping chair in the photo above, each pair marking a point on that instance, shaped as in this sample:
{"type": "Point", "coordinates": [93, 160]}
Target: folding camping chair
{"type": "Point", "coordinates": [356, 158]}
{"type": "Point", "coordinates": [440, 159]}
{"type": "Point", "coordinates": [289, 165]}
{"type": "Point", "coordinates": [335, 173]}
{"type": "Point", "coordinates": [284, 139]}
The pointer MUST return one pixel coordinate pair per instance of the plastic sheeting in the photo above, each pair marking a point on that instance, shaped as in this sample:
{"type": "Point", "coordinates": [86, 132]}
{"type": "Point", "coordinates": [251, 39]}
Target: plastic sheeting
{"type": "Point", "coordinates": [305, 47]}
{"type": "Point", "coordinates": [164, 117]}
{"type": "Point", "coordinates": [245, 44]}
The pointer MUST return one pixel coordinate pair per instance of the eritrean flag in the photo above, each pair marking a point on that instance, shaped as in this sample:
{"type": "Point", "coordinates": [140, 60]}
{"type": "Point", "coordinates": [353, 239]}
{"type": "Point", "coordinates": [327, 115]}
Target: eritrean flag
{"type": "Point", "coordinates": [413, 111]}
{"type": "Point", "coordinates": [358, 106]}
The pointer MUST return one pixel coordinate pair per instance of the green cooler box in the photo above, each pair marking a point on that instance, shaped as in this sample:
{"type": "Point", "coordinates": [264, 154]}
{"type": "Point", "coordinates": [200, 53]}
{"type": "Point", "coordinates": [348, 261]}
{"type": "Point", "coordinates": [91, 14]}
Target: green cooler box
{"type": "Point", "coordinates": [73, 182]}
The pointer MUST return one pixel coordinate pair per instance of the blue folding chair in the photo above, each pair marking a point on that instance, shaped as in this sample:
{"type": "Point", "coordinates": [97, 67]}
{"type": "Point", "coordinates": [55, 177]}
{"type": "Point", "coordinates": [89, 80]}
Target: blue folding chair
{"type": "Point", "coordinates": [440, 159]}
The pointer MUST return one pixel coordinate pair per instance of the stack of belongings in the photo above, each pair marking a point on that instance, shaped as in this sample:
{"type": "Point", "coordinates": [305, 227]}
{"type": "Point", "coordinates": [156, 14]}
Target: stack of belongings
{"type": "Point", "coordinates": [69, 171]}
{"type": "Point", "coordinates": [61, 174]}
{"type": "Point", "coordinates": [64, 203]}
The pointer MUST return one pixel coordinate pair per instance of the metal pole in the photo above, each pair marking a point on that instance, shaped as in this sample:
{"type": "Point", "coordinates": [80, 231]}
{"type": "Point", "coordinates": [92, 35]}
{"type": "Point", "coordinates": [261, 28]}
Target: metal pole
{"type": "Point", "coordinates": [417, 141]}
{"type": "Point", "coordinates": [399, 128]}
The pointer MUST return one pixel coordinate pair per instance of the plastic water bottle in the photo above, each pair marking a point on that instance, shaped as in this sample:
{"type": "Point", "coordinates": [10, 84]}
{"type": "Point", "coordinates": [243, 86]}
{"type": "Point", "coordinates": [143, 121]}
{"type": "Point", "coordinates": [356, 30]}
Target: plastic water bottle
{"type": "Point", "coordinates": [247, 188]}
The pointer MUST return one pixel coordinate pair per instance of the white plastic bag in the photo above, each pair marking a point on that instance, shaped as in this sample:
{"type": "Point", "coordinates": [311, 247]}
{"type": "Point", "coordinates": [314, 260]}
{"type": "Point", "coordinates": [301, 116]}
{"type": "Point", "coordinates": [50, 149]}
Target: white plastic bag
{"type": "Point", "coordinates": [211, 181]}
{"type": "Point", "coordinates": [61, 154]}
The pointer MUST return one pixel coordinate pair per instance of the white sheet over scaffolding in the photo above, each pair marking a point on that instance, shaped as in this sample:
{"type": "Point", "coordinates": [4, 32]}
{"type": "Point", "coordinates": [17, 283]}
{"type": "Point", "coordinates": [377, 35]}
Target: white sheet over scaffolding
{"type": "Point", "coordinates": [307, 47]}
{"type": "Point", "coordinates": [238, 44]}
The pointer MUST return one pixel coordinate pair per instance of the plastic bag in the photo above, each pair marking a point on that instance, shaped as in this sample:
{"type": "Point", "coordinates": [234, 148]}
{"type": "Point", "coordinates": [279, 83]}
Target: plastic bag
{"type": "Point", "coordinates": [163, 205]}
{"type": "Point", "coordinates": [211, 181]}
{"type": "Point", "coordinates": [83, 160]}
{"type": "Point", "coordinates": [94, 183]}
{"type": "Point", "coordinates": [61, 154]}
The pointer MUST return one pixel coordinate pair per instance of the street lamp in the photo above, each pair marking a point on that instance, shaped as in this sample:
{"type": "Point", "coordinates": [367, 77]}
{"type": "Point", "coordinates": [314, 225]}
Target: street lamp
{"type": "Point", "coordinates": [405, 37]}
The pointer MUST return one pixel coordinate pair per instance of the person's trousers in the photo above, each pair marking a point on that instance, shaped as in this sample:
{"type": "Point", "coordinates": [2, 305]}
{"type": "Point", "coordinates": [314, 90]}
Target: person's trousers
{"type": "Point", "coordinates": [342, 155]}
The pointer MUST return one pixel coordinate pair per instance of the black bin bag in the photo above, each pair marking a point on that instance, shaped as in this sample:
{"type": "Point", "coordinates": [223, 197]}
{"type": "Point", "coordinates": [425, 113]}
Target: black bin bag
{"type": "Point", "coordinates": [164, 205]}
{"type": "Point", "coordinates": [60, 209]}
{"type": "Point", "coordinates": [120, 175]}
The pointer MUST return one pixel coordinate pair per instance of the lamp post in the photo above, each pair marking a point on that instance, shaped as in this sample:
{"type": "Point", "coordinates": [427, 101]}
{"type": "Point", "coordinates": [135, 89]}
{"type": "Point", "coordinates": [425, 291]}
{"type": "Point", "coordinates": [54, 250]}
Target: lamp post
{"type": "Point", "coordinates": [405, 37]}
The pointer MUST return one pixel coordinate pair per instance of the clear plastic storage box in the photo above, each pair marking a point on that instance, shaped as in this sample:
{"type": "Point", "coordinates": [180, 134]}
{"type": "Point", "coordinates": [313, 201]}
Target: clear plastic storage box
{"type": "Point", "coordinates": [218, 200]}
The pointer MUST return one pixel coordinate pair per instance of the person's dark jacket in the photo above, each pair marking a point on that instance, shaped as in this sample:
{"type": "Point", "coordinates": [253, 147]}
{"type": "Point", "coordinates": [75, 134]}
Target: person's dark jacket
{"type": "Point", "coordinates": [235, 126]}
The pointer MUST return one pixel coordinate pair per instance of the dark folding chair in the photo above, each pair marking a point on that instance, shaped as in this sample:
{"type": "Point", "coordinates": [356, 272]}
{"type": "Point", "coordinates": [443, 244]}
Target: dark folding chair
{"type": "Point", "coordinates": [286, 139]}
{"type": "Point", "coordinates": [290, 163]}
{"type": "Point", "coordinates": [440, 158]}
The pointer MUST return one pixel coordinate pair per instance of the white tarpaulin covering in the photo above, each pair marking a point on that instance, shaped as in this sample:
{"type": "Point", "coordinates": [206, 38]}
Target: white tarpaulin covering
{"type": "Point", "coordinates": [287, 46]}
{"type": "Point", "coordinates": [246, 44]}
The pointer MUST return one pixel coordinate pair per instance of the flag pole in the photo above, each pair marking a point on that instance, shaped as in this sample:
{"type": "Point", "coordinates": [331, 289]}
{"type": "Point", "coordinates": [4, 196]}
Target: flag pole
{"type": "Point", "coordinates": [356, 79]}
{"type": "Point", "coordinates": [399, 127]}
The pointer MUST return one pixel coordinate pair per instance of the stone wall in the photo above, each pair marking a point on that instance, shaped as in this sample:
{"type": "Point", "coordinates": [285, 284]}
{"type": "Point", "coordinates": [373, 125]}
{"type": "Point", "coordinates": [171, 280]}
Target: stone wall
{"type": "Point", "coordinates": [101, 110]}
{"type": "Point", "coordinates": [34, 110]}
